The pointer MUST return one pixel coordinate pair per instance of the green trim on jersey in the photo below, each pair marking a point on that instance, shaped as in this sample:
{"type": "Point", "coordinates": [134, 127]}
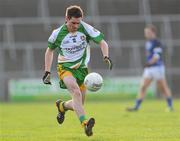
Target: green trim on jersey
{"type": "Point", "coordinates": [83, 30]}
{"type": "Point", "coordinates": [88, 37]}
{"type": "Point", "coordinates": [58, 40]}
{"type": "Point", "coordinates": [84, 58]}
{"type": "Point", "coordinates": [62, 33]}
{"type": "Point", "coordinates": [51, 45]}
{"type": "Point", "coordinates": [98, 39]}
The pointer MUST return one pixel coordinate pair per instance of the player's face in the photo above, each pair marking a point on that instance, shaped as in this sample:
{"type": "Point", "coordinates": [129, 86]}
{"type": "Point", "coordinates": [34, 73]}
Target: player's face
{"type": "Point", "coordinates": [148, 33]}
{"type": "Point", "coordinates": [73, 24]}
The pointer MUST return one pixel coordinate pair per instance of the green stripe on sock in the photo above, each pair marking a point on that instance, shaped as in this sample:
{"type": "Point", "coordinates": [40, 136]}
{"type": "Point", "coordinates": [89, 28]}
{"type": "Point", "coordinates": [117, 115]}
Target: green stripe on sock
{"type": "Point", "coordinates": [82, 118]}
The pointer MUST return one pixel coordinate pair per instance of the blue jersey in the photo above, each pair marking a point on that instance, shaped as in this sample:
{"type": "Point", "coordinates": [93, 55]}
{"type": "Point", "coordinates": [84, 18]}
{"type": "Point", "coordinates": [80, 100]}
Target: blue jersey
{"type": "Point", "coordinates": [154, 47]}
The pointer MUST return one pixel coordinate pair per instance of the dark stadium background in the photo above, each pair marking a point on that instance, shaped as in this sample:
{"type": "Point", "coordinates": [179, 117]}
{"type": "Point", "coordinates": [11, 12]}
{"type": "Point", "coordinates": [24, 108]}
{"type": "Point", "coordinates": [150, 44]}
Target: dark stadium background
{"type": "Point", "coordinates": [25, 26]}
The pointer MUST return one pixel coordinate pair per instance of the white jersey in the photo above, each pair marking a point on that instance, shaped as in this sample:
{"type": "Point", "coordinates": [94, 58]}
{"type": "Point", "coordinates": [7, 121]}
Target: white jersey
{"type": "Point", "coordinates": [74, 47]}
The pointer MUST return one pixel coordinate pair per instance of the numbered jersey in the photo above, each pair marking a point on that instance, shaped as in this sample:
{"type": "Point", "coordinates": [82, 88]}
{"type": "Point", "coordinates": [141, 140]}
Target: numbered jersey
{"type": "Point", "coordinates": [74, 47]}
{"type": "Point", "coordinates": [154, 47]}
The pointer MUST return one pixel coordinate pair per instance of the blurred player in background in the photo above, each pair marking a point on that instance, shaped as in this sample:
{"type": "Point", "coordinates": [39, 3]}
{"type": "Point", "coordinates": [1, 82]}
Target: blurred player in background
{"type": "Point", "coordinates": [154, 69]}
{"type": "Point", "coordinates": [72, 40]}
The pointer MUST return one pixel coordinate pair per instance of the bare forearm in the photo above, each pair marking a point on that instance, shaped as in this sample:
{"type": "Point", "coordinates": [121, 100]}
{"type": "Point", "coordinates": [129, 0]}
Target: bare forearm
{"type": "Point", "coordinates": [105, 51]}
{"type": "Point", "coordinates": [48, 59]}
{"type": "Point", "coordinates": [153, 60]}
{"type": "Point", "coordinates": [104, 48]}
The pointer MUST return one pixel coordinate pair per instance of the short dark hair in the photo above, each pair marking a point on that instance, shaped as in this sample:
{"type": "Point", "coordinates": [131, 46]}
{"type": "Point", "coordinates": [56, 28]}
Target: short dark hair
{"type": "Point", "coordinates": [74, 11]}
{"type": "Point", "coordinates": [152, 28]}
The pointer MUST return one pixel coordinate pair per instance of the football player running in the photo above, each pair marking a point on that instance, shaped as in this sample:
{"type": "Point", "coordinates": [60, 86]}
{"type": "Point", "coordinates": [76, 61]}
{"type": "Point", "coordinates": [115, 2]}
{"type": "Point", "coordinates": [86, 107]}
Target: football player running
{"type": "Point", "coordinates": [72, 40]}
{"type": "Point", "coordinates": [154, 69]}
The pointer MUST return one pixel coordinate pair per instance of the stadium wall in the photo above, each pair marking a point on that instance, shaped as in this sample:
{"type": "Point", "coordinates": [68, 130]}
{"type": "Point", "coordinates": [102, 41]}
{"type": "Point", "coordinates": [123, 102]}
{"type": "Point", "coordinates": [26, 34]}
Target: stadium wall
{"type": "Point", "coordinates": [23, 36]}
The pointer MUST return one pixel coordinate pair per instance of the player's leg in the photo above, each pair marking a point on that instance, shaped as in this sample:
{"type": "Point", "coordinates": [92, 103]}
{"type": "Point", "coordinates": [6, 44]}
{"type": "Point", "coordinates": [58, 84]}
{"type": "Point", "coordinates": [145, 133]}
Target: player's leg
{"type": "Point", "coordinates": [70, 83]}
{"type": "Point", "coordinates": [146, 81]}
{"type": "Point", "coordinates": [90, 123]}
{"type": "Point", "coordinates": [78, 98]}
{"type": "Point", "coordinates": [69, 104]}
{"type": "Point", "coordinates": [83, 91]}
{"type": "Point", "coordinates": [63, 106]}
{"type": "Point", "coordinates": [144, 85]}
{"type": "Point", "coordinates": [163, 87]}
{"type": "Point", "coordinates": [76, 95]}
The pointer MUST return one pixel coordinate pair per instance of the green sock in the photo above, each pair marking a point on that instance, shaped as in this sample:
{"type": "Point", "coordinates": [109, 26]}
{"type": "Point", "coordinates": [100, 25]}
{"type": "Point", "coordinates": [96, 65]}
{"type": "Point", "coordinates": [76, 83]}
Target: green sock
{"type": "Point", "coordinates": [82, 118]}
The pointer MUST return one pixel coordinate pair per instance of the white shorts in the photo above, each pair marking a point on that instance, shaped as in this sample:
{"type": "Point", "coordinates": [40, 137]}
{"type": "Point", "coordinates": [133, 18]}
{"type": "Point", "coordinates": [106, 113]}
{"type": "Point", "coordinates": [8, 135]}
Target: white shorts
{"type": "Point", "coordinates": [154, 72]}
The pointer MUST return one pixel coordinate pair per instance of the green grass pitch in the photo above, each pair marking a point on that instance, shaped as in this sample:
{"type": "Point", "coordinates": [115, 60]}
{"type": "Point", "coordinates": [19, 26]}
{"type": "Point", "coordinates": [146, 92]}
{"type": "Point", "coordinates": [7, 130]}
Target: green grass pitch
{"type": "Point", "coordinates": [37, 122]}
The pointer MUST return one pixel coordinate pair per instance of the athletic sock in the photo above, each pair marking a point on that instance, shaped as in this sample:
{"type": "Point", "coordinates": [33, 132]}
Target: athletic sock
{"type": "Point", "coordinates": [169, 101]}
{"type": "Point", "coordinates": [83, 120]}
{"type": "Point", "coordinates": [65, 109]}
{"type": "Point", "coordinates": [138, 103]}
{"type": "Point", "coordinates": [62, 107]}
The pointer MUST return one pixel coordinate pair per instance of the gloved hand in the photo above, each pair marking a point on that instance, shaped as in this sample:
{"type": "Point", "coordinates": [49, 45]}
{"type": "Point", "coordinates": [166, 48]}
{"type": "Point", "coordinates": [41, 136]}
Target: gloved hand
{"type": "Point", "coordinates": [46, 78]}
{"type": "Point", "coordinates": [108, 61]}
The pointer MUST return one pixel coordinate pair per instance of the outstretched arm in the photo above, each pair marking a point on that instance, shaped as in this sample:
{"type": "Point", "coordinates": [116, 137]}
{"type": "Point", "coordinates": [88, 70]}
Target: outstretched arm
{"type": "Point", "coordinates": [104, 48]}
{"type": "Point", "coordinates": [48, 59]}
{"type": "Point", "coordinates": [48, 62]}
{"type": "Point", "coordinates": [105, 51]}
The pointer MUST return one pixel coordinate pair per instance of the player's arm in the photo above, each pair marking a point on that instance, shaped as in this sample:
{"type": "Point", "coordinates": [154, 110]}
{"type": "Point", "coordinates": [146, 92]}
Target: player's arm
{"type": "Point", "coordinates": [48, 59]}
{"type": "Point", "coordinates": [154, 59]}
{"type": "Point", "coordinates": [105, 51]}
{"type": "Point", "coordinates": [48, 62]}
{"type": "Point", "coordinates": [98, 38]}
{"type": "Point", "coordinates": [156, 55]}
{"type": "Point", "coordinates": [49, 56]}
{"type": "Point", "coordinates": [104, 48]}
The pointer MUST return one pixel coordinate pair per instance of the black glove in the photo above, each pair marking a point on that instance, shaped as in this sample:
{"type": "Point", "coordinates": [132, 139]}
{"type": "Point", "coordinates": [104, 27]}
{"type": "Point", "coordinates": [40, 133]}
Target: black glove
{"type": "Point", "coordinates": [46, 78]}
{"type": "Point", "coordinates": [108, 61]}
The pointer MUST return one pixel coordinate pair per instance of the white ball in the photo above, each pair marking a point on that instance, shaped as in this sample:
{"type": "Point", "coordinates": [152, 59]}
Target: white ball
{"type": "Point", "coordinates": [93, 81]}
